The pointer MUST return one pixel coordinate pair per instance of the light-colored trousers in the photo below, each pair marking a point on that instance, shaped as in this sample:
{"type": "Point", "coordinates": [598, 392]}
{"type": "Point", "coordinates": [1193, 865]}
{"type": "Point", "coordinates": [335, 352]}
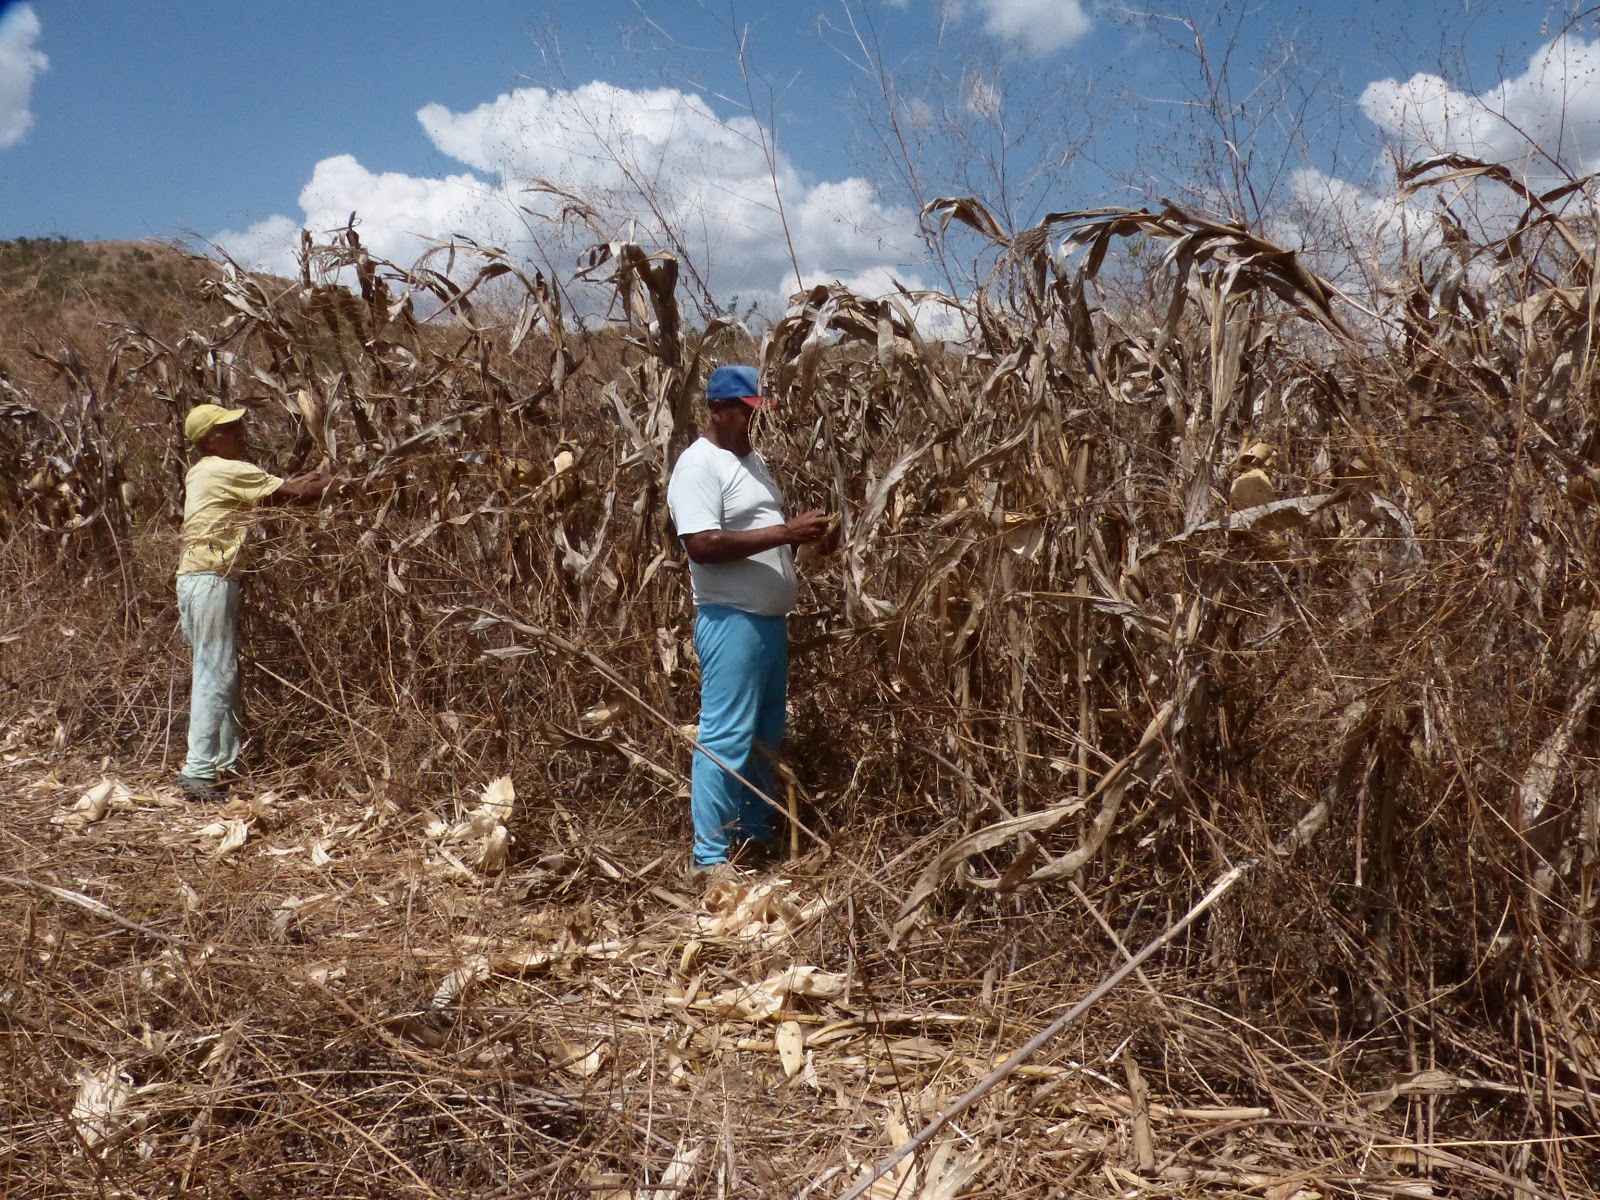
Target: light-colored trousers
{"type": "Point", "coordinates": [208, 606]}
{"type": "Point", "coordinates": [744, 678]}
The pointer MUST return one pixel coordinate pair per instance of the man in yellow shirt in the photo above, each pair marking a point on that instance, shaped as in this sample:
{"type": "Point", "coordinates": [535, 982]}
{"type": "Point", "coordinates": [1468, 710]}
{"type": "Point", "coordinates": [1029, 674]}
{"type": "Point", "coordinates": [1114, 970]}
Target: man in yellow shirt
{"type": "Point", "coordinates": [221, 493]}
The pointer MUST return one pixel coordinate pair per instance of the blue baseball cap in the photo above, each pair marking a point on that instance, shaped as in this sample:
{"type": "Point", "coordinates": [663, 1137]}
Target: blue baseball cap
{"type": "Point", "coordinates": [737, 383]}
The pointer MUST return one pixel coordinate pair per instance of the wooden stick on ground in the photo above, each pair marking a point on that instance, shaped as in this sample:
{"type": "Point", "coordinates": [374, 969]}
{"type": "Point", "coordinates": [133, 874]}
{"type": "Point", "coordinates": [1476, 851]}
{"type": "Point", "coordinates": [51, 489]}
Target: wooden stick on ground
{"type": "Point", "coordinates": [988, 1083]}
{"type": "Point", "coordinates": [88, 904]}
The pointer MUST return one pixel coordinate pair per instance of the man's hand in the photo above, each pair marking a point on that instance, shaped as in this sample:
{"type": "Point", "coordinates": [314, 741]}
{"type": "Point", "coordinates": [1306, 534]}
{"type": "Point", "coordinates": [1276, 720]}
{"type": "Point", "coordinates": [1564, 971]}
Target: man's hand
{"type": "Point", "coordinates": [302, 489]}
{"type": "Point", "coordinates": [807, 527]}
{"type": "Point", "coordinates": [726, 545]}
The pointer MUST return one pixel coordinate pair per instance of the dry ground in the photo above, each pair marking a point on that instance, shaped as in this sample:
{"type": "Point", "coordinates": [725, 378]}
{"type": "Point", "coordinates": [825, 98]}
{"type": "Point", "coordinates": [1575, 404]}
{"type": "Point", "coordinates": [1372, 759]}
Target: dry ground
{"type": "Point", "coordinates": [304, 993]}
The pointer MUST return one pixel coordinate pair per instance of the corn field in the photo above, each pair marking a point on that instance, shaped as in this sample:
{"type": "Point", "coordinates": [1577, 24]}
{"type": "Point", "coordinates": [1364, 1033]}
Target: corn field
{"type": "Point", "coordinates": [1184, 565]}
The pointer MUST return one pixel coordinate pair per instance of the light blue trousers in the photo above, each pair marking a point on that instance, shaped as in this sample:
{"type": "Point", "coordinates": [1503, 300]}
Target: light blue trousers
{"type": "Point", "coordinates": [208, 606]}
{"type": "Point", "coordinates": [744, 680]}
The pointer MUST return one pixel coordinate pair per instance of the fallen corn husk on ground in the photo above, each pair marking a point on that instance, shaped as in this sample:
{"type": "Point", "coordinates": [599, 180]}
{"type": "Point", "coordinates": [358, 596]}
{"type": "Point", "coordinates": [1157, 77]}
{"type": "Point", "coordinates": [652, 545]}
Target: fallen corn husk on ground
{"type": "Point", "coordinates": [283, 1021]}
{"type": "Point", "coordinates": [1177, 572]}
{"type": "Point", "coordinates": [480, 834]}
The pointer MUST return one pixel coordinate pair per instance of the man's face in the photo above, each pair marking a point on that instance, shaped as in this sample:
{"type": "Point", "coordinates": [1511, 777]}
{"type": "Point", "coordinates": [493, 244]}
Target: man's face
{"type": "Point", "coordinates": [732, 420]}
{"type": "Point", "coordinates": [227, 441]}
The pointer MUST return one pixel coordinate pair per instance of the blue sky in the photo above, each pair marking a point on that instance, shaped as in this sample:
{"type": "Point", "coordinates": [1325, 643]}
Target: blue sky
{"type": "Point", "coordinates": [240, 122]}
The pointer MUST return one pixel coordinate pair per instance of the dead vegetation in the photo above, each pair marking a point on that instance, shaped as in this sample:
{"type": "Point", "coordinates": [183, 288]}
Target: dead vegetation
{"type": "Point", "coordinates": [1124, 604]}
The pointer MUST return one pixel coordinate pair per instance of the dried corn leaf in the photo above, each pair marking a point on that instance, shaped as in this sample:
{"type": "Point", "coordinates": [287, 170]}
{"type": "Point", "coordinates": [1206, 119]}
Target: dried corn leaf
{"type": "Point", "coordinates": [899, 1183]}
{"type": "Point", "coordinates": [790, 1042]}
{"type": "Point", "coordinates": [678, 1175]}
{"type": "Point", "coordinates": [519, 962]}
{"type": "Point", "coordinates": [949, 1171]}
{"type": "Point", "coordinates": [94, 804]}
{"type": "Point", "coordinates": [231, 834]}
{"type": "Point", "coordinates": [758, 912]}
{"type": "Point", "coordinates": [492, 854]}
{"type": "Point", "coordinates": [98, 1108]}
{"type": "Point", "coordinates": [968, 211]}
{"type": "Point", "coordinates": [455, 983]}
{"type": "Point", "coordinates": [758, 1002]}
{"type": "Point", "coordinates": [583, 1061]}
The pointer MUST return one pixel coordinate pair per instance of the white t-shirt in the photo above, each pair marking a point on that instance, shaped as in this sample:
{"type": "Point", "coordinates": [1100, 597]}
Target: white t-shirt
{"type": "Point", "coordinates": [713, 488]}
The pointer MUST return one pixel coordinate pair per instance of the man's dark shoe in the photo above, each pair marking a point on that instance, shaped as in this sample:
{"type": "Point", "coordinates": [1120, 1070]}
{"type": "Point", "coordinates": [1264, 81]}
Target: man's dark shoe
{"type": "Point", "coordinates": [199, 789]}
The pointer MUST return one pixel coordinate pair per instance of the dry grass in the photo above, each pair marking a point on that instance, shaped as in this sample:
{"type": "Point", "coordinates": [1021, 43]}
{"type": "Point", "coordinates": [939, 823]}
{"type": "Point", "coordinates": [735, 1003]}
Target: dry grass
{"type": "Point", "coordinates": [1049, 685]}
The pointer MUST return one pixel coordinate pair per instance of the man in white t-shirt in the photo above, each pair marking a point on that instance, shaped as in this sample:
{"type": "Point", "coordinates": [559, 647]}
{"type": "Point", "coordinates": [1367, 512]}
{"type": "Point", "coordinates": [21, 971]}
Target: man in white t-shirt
{"type": "Point", "coordinates": [729, 514]}
{"type": "Point", "coordinates": [221, 494]}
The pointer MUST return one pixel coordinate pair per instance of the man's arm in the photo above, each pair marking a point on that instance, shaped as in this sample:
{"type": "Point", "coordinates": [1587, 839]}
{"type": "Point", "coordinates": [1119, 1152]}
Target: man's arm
{"type": "Point", "coordinates": [302, 489]}
{"type": "Point", "coordinates": [712, 546]}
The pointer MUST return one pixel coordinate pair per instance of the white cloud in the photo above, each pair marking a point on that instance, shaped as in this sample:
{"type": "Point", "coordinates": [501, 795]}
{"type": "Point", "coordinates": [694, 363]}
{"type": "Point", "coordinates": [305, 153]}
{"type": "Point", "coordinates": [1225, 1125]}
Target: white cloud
{"type": "Point", "coordinates": [268, 245]}
{"type": "Point", "coordinates": [920, 116]}
{"type": "Point", "coordinates": [20, 64]}
{"type": "Point", "coordinates": [1549, 112]}
{"type": "Point", "coordinates": [1038, 26]}
{"type": "Point", "coordinates": [983, 98]}
{"type": "Point", "coordinates": [1353, 237]}
{"type": "Point", "coordinates": [1542, 123]}
{"type": "Point", "coordinates": [658, 160]}
{"type": "Point", "coordinates": [398, 216]}
{"type": "Point", "coordinates": [1044, 26]}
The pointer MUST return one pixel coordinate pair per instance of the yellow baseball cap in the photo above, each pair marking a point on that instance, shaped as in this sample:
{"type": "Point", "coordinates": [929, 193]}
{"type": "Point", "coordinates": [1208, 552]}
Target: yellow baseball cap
{"type": "Point", "coordinates": [203, 418]}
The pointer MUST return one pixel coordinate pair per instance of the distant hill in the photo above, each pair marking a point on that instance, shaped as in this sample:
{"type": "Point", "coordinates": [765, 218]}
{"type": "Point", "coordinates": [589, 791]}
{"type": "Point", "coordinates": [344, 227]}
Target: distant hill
{"type": "Point", "coordinates": [55, 287]}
